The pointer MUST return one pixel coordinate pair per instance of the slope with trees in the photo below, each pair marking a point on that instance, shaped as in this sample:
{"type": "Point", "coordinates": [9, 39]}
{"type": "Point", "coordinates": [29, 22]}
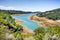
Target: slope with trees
{"type": "Point", "coordinates": [52, 14]}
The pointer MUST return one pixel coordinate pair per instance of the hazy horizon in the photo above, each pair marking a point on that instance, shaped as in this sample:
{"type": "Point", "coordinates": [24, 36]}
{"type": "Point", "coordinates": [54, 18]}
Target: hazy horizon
{"type": "Point", "coordinates": [30, 5]}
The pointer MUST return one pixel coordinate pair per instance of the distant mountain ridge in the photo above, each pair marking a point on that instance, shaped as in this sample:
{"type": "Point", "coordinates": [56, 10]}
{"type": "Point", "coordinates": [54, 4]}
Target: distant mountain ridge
{"type": "Point", "coordinates": [15, 11]}
{"type": "Point", "coordinates": [52, 14]}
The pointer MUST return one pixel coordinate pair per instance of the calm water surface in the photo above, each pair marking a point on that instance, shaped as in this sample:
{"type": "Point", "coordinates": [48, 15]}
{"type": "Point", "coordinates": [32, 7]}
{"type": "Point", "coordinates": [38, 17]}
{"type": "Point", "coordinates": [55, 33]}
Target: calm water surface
{"type": "Point", "coordinates": [27, 22]}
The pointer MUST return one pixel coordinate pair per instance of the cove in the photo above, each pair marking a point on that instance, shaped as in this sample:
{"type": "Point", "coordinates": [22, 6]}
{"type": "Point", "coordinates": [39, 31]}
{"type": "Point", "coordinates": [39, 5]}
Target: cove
{"type": "Point", "coordinates": [27, 22]}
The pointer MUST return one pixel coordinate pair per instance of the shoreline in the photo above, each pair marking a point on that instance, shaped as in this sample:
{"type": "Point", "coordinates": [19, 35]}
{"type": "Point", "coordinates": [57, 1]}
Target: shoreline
{"type": "Point", "coordinates": [17, 14]}
{"type": "Point", "coordinates": [45, 21]}
{"type": "Point", "coordinates": [25, 29]}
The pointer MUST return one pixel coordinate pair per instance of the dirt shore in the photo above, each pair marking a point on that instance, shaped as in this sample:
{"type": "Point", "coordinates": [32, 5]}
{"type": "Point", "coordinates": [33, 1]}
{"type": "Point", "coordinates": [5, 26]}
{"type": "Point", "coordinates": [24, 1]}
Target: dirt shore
{"type": "Point", "coordinates": [45, 21]}
{"type": "Point", "coordinates": [19, 22]}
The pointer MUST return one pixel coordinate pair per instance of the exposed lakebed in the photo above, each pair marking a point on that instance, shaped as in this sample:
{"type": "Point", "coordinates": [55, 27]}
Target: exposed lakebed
{"type": "Point", "coordinates": [27, 22]}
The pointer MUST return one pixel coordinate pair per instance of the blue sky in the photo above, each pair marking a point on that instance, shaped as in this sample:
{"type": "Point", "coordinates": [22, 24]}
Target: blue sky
{"type": "Point", "coordinates": [29, 5]}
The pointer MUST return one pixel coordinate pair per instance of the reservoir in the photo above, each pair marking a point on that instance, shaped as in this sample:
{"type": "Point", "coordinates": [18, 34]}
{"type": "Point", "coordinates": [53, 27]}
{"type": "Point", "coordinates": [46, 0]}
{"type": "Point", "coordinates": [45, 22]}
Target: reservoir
{"type": "Point", "coordinates": [27, 22]}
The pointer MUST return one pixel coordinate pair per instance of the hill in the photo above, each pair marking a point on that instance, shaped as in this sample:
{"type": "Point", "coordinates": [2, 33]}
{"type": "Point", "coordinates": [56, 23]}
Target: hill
{"type": "Point", "coordinates": [48, 18]}
{"type": "Point", "coordinates": [8, 27]}
{"type": "Point", "coordinates": [15, 11]}
{"type": "Point", "coordinates": [52, 14]}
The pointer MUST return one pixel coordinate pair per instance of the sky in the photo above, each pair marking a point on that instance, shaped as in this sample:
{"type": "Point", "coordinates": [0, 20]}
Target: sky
{"type": "Point", "coordinates": [30, 5]}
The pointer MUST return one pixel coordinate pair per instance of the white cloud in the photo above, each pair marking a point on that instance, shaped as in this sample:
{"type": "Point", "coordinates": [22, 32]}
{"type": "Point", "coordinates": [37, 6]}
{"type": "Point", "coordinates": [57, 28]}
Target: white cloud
{"type": "Point", "coordinates": [7, 7]}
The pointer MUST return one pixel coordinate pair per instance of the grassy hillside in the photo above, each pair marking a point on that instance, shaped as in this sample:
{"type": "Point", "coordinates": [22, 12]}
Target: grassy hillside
{"type": "Point", "coordinates": [8, 28]}
{"type": "Point", "coordinates": [52, 14]}
{"type": "Point", "coordinates": [50, 33]}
